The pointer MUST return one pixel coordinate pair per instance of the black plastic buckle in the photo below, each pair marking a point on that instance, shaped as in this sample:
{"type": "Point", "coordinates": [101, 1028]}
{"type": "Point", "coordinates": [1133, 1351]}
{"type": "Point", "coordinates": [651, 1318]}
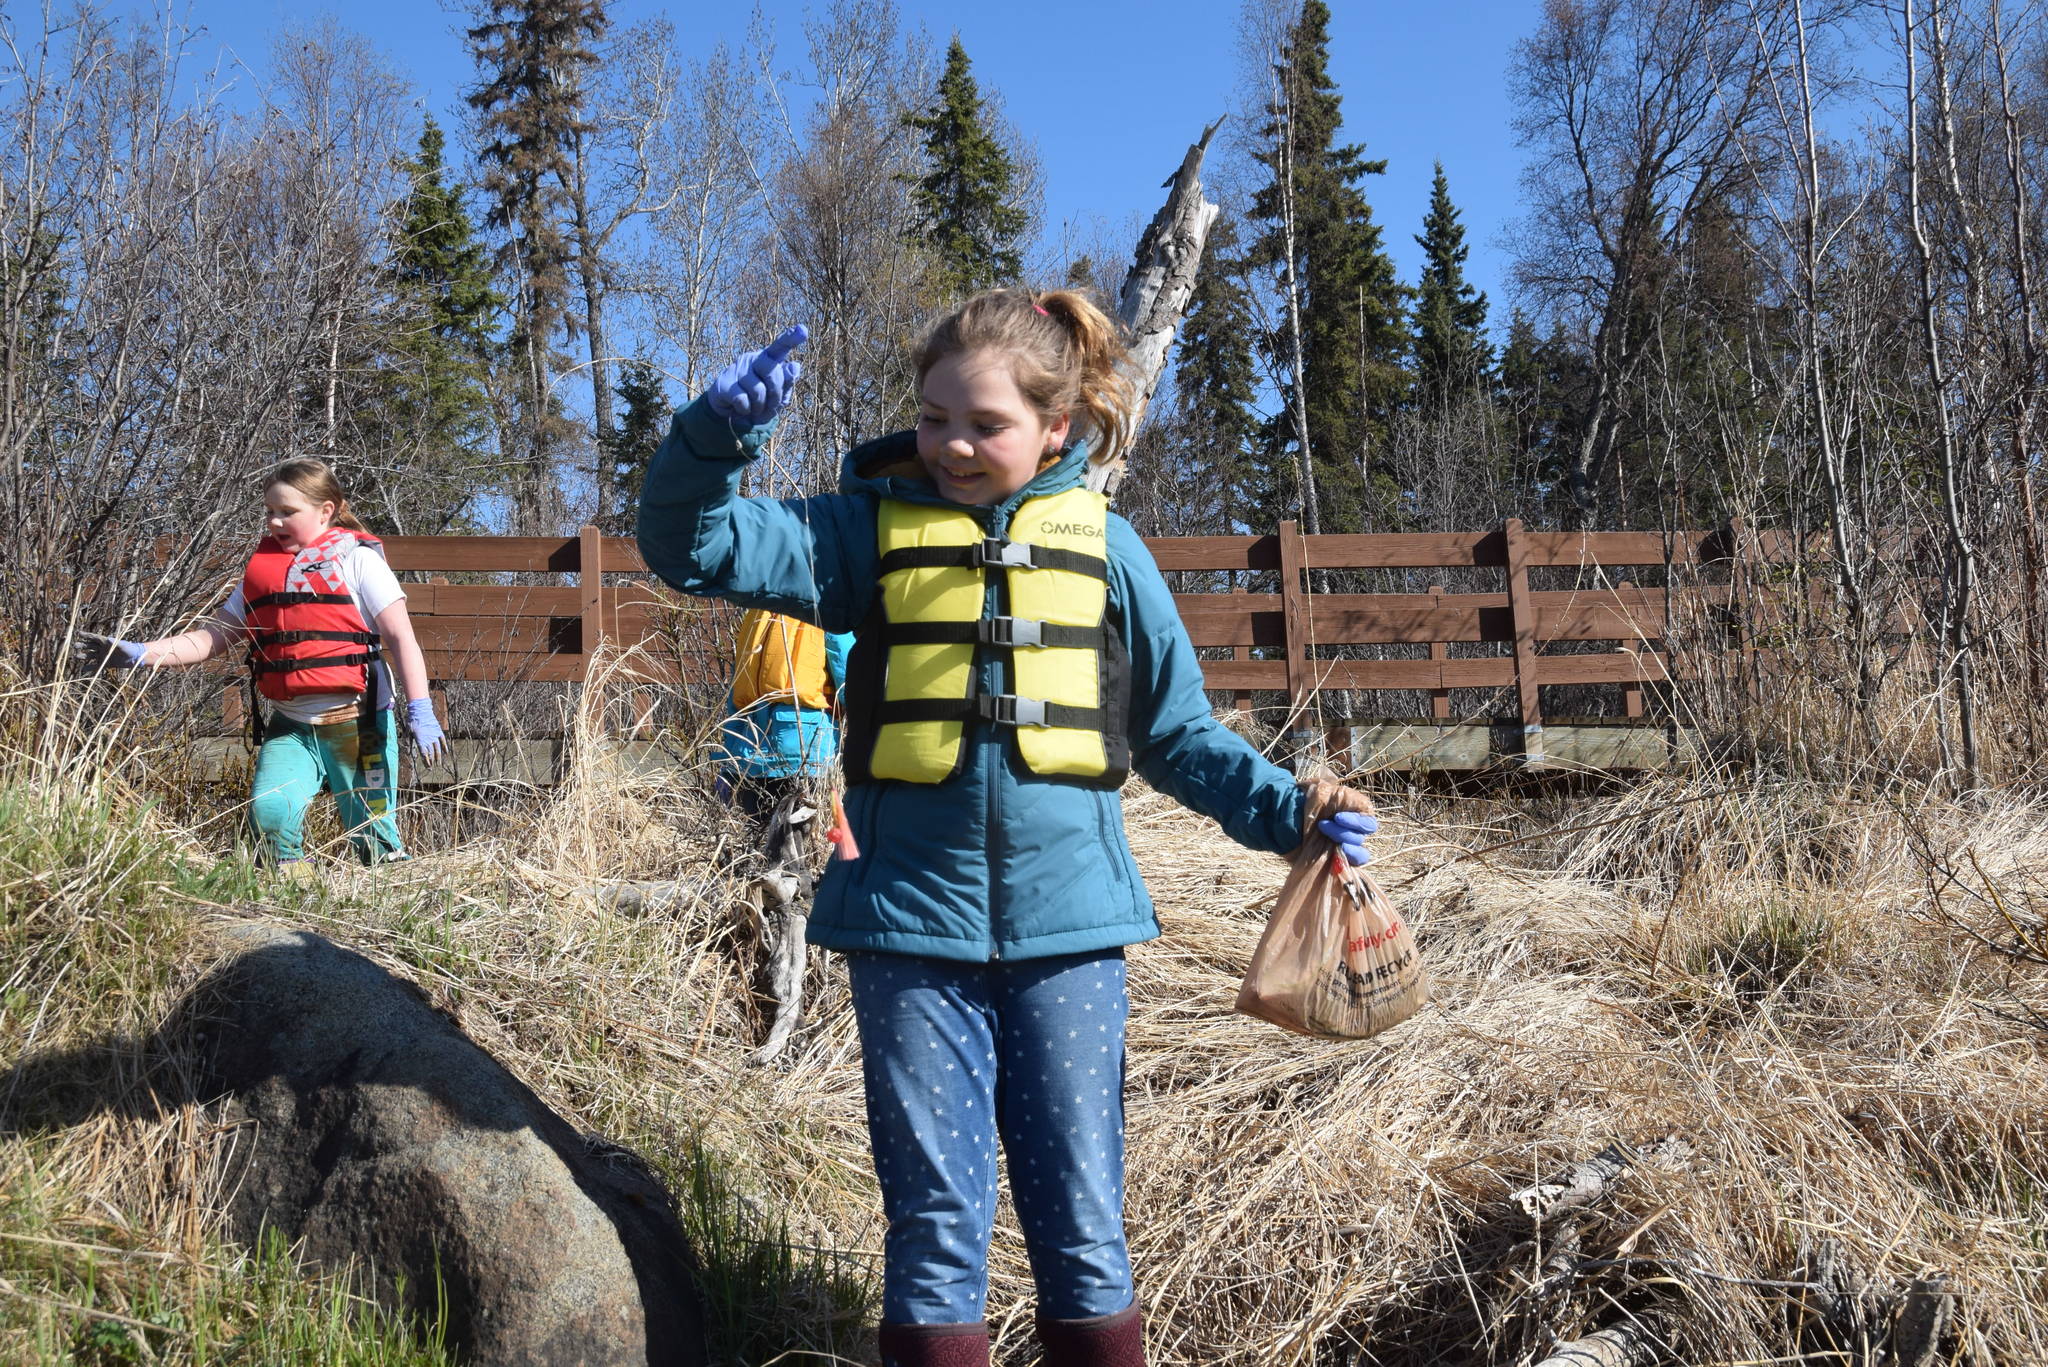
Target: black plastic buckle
{"type": "Point", "coordinates": [1002, 553]}
{"type": "Point", "coordinates": [1007, 709]}
{"type": "Point", "coordinates": [1012, 631]}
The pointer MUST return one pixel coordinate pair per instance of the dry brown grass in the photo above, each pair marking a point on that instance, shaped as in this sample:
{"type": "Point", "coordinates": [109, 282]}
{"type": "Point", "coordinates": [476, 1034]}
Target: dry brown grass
{"type": "Point", "coordinates": [1842, 1005]}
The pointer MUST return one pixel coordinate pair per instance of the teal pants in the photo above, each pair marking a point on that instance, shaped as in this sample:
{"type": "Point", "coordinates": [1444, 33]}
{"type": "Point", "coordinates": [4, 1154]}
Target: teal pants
{"type": "Point", "coordinates": [296, 762]}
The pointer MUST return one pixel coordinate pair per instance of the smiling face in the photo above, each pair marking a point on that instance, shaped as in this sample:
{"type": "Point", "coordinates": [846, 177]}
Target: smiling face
{"type": "Point", "coordinates": [978, 437]}
{"type": "Point", "coordinates": [295, 520]}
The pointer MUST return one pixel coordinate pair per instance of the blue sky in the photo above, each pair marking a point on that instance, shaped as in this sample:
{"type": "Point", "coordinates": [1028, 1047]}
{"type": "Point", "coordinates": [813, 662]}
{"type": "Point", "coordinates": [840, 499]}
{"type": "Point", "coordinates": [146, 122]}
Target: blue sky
{"type": "Point", "coordinates": [1420, 83]}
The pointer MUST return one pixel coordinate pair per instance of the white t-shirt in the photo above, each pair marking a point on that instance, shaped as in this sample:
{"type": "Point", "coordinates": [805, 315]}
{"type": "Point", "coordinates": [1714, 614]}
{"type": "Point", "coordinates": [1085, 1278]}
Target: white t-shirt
{"type": "Point", "coordinates": [374, 587]}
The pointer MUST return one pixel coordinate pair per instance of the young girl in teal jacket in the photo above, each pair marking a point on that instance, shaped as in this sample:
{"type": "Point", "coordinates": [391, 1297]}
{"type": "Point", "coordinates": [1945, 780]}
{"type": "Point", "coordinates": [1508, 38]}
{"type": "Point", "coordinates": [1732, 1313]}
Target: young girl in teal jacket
{"type": "Point", "coordinates": [1016, 653]}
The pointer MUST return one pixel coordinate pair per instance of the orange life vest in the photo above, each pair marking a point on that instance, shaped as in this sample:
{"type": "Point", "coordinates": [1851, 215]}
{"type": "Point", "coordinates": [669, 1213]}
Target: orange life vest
{"type": "Point", "coordinates": [779, 659]}
{"type": "Point", "coordinates": [306, 634]}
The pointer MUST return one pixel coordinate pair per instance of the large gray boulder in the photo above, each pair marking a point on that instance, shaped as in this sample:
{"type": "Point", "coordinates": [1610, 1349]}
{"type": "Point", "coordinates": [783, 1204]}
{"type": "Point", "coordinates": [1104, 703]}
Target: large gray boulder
{"type": "Point", "coordinates": [380, 1132]}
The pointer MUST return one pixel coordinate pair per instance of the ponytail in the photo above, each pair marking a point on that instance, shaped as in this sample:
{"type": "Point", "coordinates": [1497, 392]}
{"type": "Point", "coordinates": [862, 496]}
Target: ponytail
{"type": "Point", "coordinates": [1103, 392]}
{"type": "Point", "coordinates": [316, 480]}
{"type": "Point", "coordinates": [1063, 350]}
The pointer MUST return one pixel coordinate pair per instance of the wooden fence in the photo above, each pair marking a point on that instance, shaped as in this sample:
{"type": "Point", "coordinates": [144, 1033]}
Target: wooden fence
{"type": "Point", "coordinates": [1307, 633]}
{"type": "Point", "coordinates": [1295, 637]}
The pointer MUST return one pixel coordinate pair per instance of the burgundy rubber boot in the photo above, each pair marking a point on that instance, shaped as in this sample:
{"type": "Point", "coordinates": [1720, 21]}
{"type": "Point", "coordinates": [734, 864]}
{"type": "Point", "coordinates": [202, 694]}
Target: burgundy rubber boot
{"type": "Point", "coordinates": [935, 1345]}
{"type": "Point", "coordinates": [1105, 1341]}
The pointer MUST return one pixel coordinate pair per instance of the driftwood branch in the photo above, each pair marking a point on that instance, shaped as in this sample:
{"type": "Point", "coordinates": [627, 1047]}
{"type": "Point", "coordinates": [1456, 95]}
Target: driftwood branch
{"type": "Point", "coordinates": [786, 900]}
{"type": "Point", "coordinates": [785, 958]}
{"type": "Point", "coordinates": [1583, 1183]}
{"type": "Point", "coordinates": [645, 896]}
{"type": "Point", "coordinates": [1924, 1322]}
{"type": "Point", "coordinates": [1841, 1309]}
{"type": "Point", "coordinates": [1155, 294]}
{"type": "Point", "coordinates": [1830, 1299]}
{"type": "Point", "coordinates": [1618, 1345]}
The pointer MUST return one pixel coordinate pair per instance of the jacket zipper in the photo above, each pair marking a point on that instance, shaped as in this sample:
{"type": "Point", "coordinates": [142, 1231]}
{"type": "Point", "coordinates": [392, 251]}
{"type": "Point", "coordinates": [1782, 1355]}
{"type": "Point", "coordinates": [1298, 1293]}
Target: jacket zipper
{"type": "Point", "coordinates": [992, 742]}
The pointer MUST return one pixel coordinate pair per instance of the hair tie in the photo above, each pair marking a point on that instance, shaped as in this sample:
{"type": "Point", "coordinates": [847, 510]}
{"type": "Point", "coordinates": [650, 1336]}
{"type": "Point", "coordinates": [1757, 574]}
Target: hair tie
{"type": "Point", "coordinates": [1040, 309]}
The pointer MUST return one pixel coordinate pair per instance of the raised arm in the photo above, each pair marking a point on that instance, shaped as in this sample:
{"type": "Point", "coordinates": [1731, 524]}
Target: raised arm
{"type": "Point", "coordinates": [809, 558]}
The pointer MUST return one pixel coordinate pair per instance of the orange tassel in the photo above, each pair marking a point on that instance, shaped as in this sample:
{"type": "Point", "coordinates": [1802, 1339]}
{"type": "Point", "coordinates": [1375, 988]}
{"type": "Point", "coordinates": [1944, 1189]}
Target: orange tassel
{"type": "Point", "coordinates": [841, 834]}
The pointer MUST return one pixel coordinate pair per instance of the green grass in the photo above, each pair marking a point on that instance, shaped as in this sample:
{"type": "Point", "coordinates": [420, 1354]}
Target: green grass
{"type": "Point", "coordinates": [93, 930]}
{"type": "Point", "coordinates": [68, 851]}
{"type": "Point", "coordinates": [97, 910]}
{"type": "Point", "coordinates": [766, 1299]}
{"type": "Point", "coordinates": [1765, 951]}
{"type": "Point", "coordinates": [79, 1291]}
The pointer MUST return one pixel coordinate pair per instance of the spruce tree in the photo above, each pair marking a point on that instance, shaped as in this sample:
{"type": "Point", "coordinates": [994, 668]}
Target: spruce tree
{"type": "Point", "coordinates": [1353, 339]}
{"type": "Point", "coordinates": [1216, 385]}
{"type": "Point", "coordinates": [1540, 385]}
{"type": "Point", "coordinates": [1451, 352]}
{"type": "Point", "coordinates": [444, 314]}
{"type": "Point", "coordinates": [533, 56]}
{"type": "Point", "coordinates": [963, 201]}
{"type": "Point", "coordinates": [629, 445]}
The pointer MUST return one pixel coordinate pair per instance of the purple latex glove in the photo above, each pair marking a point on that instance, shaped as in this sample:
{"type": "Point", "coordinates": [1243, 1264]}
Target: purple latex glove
{"type": "Point", "coordinates": [426, 729]}
{"type": "Point", "coordinates": [753, 389]}
{"type": "Point", "coordinates": [1349, 830]}
{"type": "Point", "coordinates": [94, 652]}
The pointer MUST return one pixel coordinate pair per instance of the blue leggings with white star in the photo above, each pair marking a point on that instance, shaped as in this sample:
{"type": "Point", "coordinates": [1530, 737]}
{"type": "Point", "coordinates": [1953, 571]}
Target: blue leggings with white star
{"type": "Point", "coordinates": [957, 1055]}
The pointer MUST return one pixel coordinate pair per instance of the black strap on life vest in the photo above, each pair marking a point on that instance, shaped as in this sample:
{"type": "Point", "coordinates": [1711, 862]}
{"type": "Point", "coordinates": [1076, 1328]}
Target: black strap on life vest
{"type": "Point", "coordinates": [291, 638]}
{"type": "Point", "coordinates": [1009, 632]}
{"type": "Point", "coordinates": [995, 552]}
{"type": "Point", "coordinates": [292, 600]}
{"type": "Point", "coordinates": [861, 696]}
{"type": "Point", "coordinates": [256, 728]}
{"type": "Point", "coordinates": [1004, 709]}
{"type": "Point", "coordinates": [369, 716]}
{"type": "Point", "coordinates": [319, 662]}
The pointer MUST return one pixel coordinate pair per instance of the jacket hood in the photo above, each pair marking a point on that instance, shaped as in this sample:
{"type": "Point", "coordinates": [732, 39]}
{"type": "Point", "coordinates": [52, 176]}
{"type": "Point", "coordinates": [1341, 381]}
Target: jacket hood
{"type": "Point", "coordinates": [888, 467]}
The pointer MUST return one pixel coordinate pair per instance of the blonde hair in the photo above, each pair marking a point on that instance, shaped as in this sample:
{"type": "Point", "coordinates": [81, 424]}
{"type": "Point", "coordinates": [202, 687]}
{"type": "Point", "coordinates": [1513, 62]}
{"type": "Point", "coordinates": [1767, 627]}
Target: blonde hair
{"type": "Point", "coordinates": [1063, 352]}
{"type": "Point", "coordinates": [315, 479]}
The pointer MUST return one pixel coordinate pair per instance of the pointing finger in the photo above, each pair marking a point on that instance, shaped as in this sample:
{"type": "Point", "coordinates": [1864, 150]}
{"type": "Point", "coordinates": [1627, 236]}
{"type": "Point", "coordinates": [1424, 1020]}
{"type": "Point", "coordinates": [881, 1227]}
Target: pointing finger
{"type": "Point", "coordinates": [786, 343]}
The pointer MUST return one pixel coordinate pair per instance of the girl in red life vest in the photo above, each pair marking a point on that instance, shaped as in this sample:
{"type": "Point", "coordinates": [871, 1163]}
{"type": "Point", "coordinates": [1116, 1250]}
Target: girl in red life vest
{"type": "Point", "coordinates": [321, 613]}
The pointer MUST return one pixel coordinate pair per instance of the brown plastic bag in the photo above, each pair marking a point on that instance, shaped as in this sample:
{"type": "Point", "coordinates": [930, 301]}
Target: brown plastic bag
{"type": "Point", "coordinates": [1336, 961]}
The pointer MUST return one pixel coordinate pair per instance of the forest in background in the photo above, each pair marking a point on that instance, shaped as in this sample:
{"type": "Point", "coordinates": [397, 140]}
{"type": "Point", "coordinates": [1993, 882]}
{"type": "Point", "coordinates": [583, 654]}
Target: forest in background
{"type": "Point", "coordinates": [1775, 262]}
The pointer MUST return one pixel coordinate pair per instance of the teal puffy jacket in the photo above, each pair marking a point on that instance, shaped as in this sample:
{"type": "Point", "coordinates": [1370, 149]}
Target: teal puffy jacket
{"type": "Point", "coordinates": [996, 862]}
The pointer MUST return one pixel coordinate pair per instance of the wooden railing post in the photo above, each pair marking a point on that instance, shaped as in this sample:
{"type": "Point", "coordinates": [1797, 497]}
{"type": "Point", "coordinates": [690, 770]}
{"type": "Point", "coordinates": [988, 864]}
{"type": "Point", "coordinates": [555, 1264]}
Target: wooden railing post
{"type": "Point", "coordinates": [590, 577]}
{"type": "Point", "coordinates": [1632, 691]}
{"type": "Point", "coordinates": [1522, 615]}
{"type": "Point", "coordinates": [1242, 699]}
{"type": "Point", "coordinates": [233, 715]}
{"type": "Point", "coordinates": [1741, 600]}
{"type": "Point", "coordinates": [437, 689]}
{"type": "Point", "coordinates": [1294, 617]}
{"type": "Point", "coordinates": [1439, 651]}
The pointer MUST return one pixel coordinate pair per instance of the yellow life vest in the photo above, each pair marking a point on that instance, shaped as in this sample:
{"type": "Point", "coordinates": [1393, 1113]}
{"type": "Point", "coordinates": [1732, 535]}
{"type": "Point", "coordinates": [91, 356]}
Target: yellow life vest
{"type": "Point", "coordinates": [778, 659]}
{"type": "Point", "coordinates": [1066, 662]}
